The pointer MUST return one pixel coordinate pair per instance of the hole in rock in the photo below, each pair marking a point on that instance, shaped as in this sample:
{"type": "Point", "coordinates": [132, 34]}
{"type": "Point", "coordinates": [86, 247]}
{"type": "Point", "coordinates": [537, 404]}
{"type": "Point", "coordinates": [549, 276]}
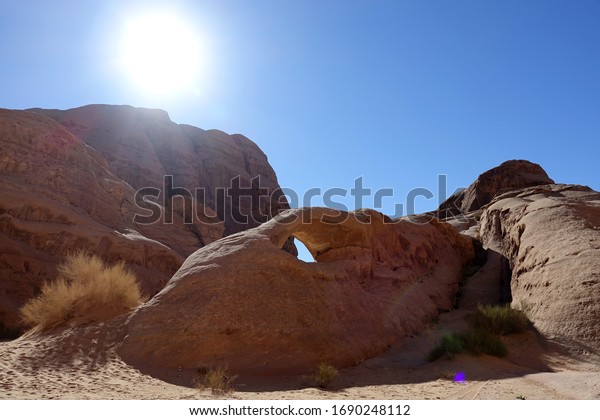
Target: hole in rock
{"type": "Point", "coordinates": [303, 253]}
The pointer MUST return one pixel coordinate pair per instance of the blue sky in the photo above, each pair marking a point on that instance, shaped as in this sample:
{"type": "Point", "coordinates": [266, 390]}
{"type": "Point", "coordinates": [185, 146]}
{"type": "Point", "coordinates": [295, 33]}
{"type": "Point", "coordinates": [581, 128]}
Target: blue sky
{"type": "Point", "coordinates": [394, 91]}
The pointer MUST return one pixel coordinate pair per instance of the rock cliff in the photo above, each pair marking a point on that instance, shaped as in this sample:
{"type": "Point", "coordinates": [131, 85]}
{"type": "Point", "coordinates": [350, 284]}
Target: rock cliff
{"type": "Point", "coordinates": [141, 146]}
{"type": "Point", "coordinates": [551, 236]}
{"type": "Point", "coordinates": [68, 180]}
{"type": "Point", "coordinates": [547, 237]}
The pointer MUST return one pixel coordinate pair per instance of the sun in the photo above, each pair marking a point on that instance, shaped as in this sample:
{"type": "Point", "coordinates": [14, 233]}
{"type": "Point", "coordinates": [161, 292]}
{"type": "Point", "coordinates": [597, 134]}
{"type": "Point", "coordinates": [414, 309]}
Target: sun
{"type": "Point", "coordinates": [160, 53]}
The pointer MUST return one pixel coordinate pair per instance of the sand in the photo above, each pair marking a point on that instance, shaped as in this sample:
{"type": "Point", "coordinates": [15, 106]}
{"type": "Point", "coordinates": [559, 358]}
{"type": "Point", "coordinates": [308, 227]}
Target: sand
{"type": "Point", "coordinates": [82, 363]}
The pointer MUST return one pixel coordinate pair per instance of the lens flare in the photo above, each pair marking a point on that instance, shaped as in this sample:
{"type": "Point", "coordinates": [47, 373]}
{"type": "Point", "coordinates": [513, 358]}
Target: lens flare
{"type": "Point", "coordinates": [460, 378]}
{"type": "Point", "coordinates": [160, 53]}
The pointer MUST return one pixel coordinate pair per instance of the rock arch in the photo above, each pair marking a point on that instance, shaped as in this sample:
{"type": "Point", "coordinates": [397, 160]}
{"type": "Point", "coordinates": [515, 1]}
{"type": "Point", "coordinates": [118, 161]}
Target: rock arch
{"type": "Point", "coordinates": [245, 303]}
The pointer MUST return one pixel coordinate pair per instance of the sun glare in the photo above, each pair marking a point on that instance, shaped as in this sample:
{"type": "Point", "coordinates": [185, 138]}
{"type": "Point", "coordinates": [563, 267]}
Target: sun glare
{"type": "Point", "coordinates": [160, 54]}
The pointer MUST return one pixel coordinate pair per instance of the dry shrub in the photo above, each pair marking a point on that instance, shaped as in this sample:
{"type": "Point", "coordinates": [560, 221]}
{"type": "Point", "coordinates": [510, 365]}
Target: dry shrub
{"type": "Point", "coordinates": [87, 289]}
{"type": "Point", "coordinates": [324, 375]}
{"type": "Point", "coordinates": [218, 380]}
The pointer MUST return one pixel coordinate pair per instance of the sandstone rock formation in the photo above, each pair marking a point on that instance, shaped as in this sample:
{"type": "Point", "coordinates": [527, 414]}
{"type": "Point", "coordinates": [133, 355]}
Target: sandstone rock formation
{"type": "Point", "coordinates": [543, 247]}
{"type": "Point", "coordinates": [243, 302]}
{"type": "Point", "coordinates": [141, 146]}
{"type": "Point", "coordinates": [551, 236]}
{"type": "Point", "coordinates": [510, 175]}
{"type": "Point", "coordinates": [68, 180]}
{"type": "Point", "coordinates": [59, 194]}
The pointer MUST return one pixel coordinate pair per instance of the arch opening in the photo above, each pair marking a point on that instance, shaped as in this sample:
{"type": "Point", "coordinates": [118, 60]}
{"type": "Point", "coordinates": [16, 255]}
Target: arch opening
{"type": "Point", "coordinates": [303, 252]}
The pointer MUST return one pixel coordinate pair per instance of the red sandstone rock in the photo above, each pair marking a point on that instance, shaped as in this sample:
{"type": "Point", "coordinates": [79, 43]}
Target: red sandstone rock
{"type": "Point", "coordinates": [143, 145]}
{"type": "Point", "coordinates": [511, 175]}
{"type": "Point", "coordinates": [551, 236]}
{"type": "Point", "coordinates": [243, 302]}
{"type": "Point", "coordinates": [73, 185]}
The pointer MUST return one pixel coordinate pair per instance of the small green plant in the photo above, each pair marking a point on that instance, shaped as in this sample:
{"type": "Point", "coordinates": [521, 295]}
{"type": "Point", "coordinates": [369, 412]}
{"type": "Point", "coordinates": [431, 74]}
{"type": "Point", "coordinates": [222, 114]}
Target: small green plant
{"type": "Point", "coordinates": [450, 345]}
{"type": "Point", "coordinates": [521, 397]}
{"type": "Point", "coordinates": [475, 341]}
{"type": "Point", "coordinates": [488, 323]}
{"type": "Point", "coordinates": [478, 341]}
{"type": "Point", "coordinates": [218, 380]}
{"type": "Point", "coordinates": [501, 320]}
{"type": "Point", "coordinates": [324, 375]}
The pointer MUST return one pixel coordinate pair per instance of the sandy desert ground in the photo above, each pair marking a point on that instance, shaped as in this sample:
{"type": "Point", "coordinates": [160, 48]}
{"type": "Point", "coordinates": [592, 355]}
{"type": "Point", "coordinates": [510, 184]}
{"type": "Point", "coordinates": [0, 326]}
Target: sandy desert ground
{"type": "Point", "coordinates": [82, 363]}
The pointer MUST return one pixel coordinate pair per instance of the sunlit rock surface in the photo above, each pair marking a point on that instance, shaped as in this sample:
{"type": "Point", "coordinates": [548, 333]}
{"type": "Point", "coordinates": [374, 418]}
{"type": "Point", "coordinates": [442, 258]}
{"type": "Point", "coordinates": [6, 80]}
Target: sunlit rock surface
{"type": "Point", "coordinates": [243, 302]}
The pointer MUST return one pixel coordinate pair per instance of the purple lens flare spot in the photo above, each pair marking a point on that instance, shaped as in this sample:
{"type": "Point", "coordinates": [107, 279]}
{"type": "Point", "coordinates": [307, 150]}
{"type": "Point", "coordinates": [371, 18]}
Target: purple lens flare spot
{"type": "Point", "coordinates": [460, 378]}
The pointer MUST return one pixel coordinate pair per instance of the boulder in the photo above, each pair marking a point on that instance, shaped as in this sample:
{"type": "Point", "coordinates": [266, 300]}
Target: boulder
{"type": "Point", "coordinates": [243, 303]}
{"type": "Point", "coordinates": [510, 175]}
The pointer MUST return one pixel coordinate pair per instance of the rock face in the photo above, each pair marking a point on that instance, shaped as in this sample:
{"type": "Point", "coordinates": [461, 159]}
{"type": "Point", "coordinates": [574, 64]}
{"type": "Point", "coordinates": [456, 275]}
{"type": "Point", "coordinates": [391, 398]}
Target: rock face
{"type": "Point", "coordinates": [243, 302]}
{"type": "Point", "coordinates": [73, 186]}
{"type": "Point", "coordinates": [141, 146]}
{"type": "Point", "coordinates": [551, 236]}
{"type": "Point", "coordinates": [511, 175]}
{"type": "Point", "coordinates": [543, 248]}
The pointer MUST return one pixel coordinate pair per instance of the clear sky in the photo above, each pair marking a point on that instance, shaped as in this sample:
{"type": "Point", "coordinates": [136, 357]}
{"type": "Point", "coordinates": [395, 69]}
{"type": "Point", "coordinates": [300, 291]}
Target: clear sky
{"type": "Point", "coordinates": [395, 91]}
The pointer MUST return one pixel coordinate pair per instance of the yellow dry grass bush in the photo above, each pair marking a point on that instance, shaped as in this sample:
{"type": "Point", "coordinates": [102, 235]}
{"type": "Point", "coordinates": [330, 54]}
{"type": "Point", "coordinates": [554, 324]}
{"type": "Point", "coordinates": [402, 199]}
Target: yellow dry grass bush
{"type": "Point", "coordinates": [324, 375]}
{"type": "Point", "coordinates": [218, 380]}
{"type": "Point", "coordinates": [87, 289]}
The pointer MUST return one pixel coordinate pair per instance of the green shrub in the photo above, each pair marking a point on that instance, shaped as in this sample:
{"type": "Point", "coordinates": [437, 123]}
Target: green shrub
{"type": "Point", "coordinates": [475, 341]}
{"type": "Point", "coordinates": [501, 320]}
{"type": "Point", "coordinates": [450, 345]}
{"type": "Point", "coordinates": [478, 341]}
{"type": "Point", "coordinates": [488, 323]}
